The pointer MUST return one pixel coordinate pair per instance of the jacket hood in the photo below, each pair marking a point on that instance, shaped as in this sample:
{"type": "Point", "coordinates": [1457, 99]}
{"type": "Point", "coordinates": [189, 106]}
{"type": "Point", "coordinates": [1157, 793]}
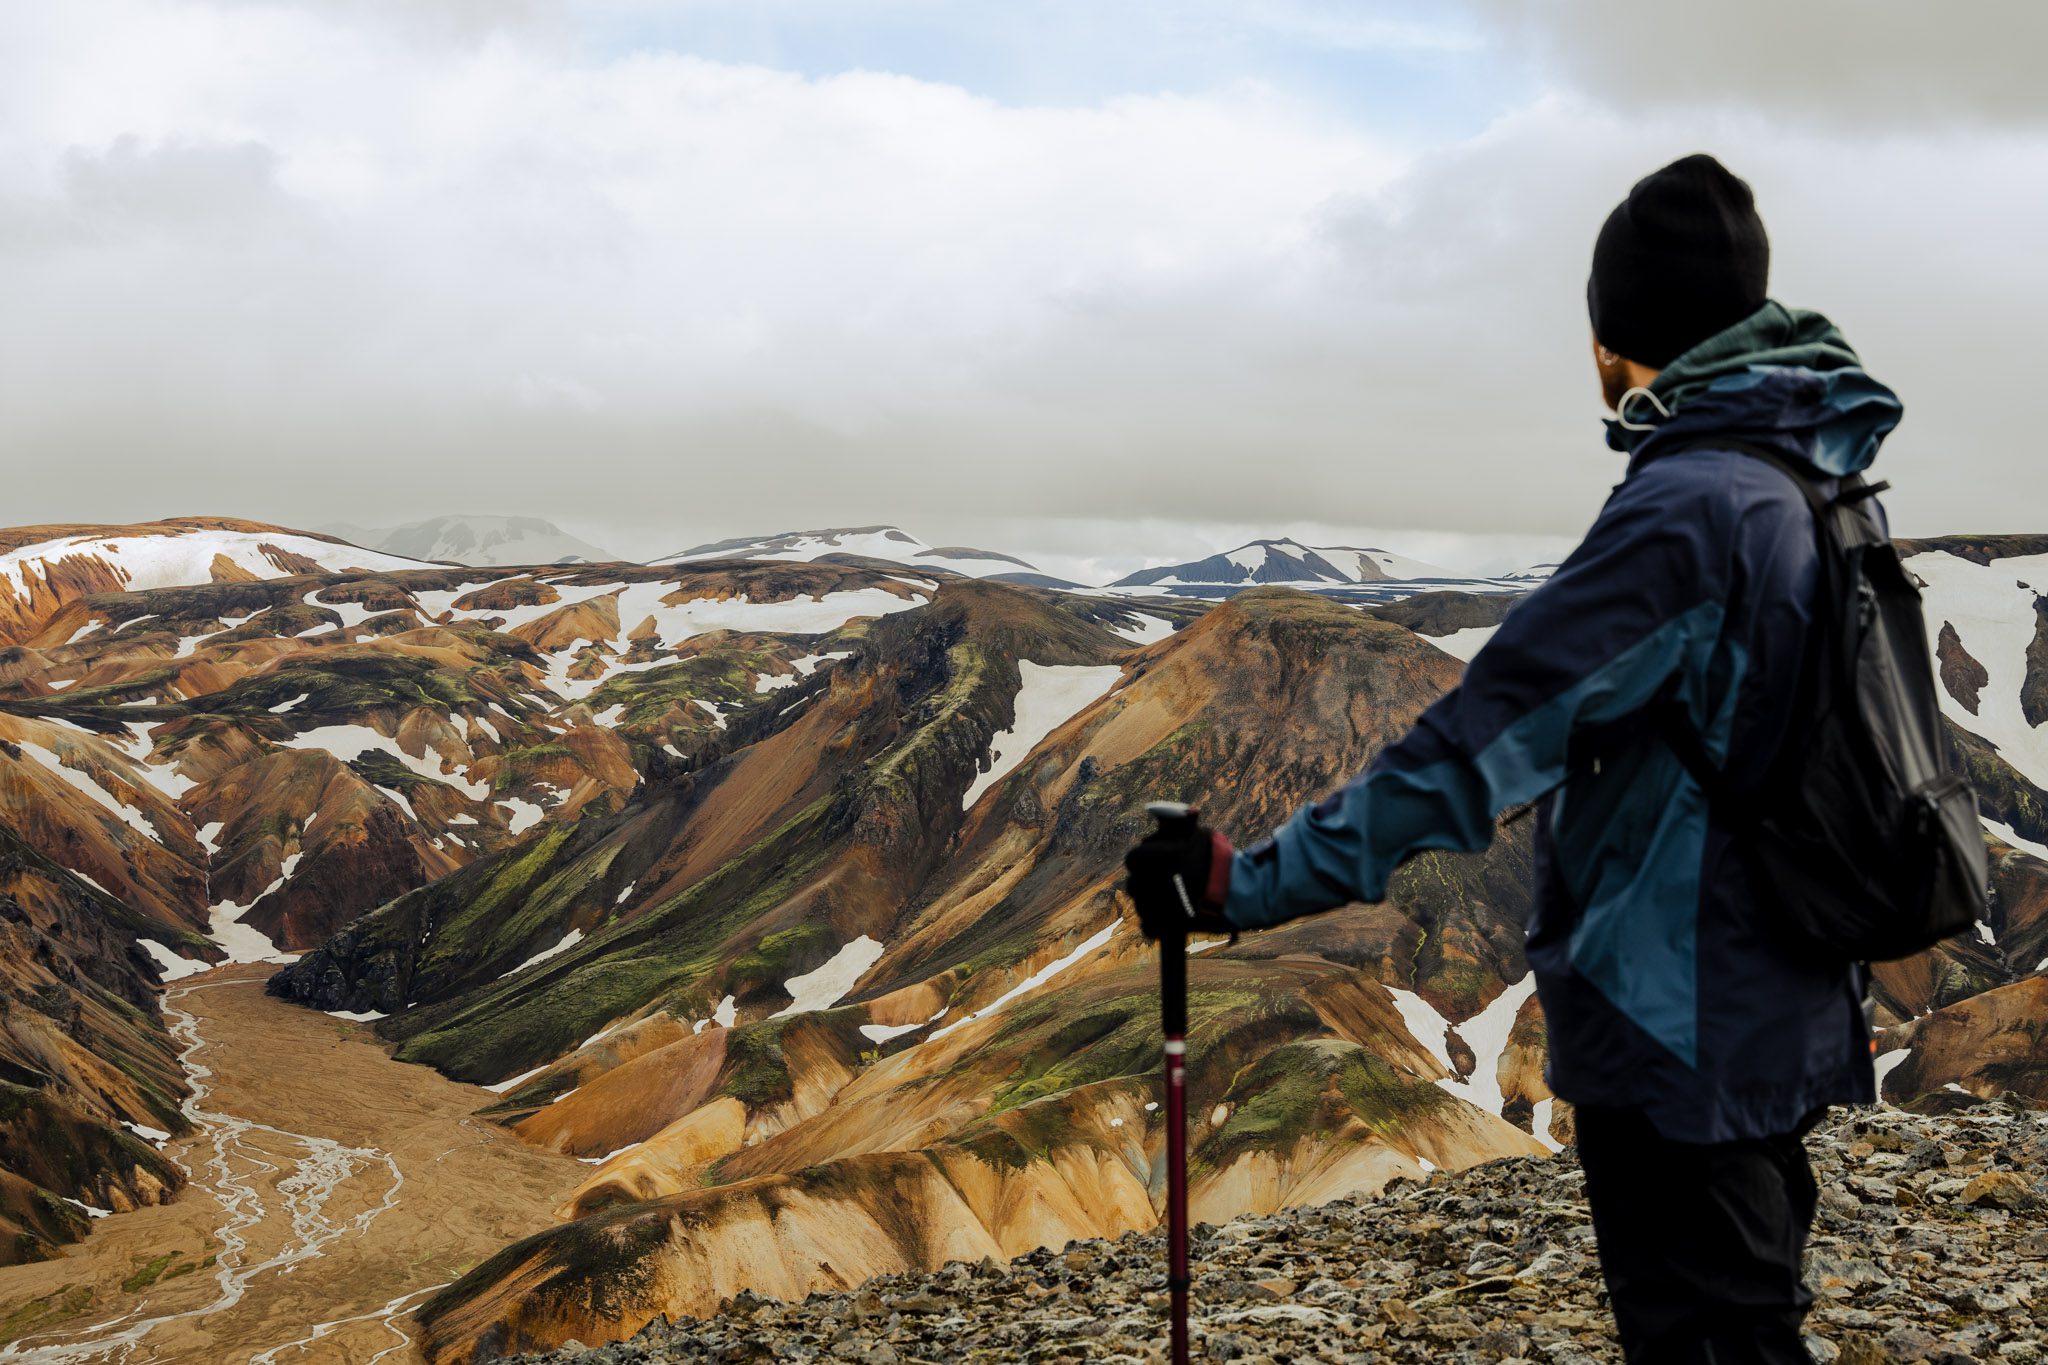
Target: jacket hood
{"type": "Point", "coordinates": [1781, 377]}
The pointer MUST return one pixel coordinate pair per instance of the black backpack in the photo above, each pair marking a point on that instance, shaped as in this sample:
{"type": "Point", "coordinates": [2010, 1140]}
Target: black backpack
{"type": "Point", "coordinates": [1866, 834]}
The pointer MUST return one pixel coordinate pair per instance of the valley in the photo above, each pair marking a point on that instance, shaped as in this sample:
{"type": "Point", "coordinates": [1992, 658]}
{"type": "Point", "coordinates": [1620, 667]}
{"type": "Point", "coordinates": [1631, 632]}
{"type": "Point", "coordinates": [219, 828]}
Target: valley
{"type": "Point", "coordinates": [332, 1189]}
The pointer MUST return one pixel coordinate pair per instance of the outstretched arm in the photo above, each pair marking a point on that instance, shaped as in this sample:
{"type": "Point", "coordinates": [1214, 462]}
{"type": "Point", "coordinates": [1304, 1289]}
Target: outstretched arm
{"type": "Point", "coordinates": [1639, 603]}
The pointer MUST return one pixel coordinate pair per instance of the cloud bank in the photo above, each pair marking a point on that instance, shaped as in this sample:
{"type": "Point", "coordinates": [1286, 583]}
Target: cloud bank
{"type": "Point", "coordinates": [373, 261]}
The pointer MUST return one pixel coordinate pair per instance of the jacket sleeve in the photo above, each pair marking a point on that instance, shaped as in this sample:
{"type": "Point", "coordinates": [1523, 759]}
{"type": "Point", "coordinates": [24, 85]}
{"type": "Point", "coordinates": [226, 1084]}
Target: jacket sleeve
{"type": "Point", "coordinates": [1640, 602]}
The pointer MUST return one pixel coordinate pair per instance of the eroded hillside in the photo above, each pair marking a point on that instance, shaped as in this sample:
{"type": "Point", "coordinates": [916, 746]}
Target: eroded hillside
{"type": "Point", "coordinates": [782, 895]}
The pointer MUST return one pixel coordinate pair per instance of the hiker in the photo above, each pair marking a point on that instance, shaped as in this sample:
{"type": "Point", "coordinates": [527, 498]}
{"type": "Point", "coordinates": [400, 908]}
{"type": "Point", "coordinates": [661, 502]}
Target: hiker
{"type": "Point", "coordinates": [1695, 1048]}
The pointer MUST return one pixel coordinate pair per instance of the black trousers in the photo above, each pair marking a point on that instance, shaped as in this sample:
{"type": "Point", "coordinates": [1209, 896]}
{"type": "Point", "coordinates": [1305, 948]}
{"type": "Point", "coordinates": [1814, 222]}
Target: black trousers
{"type": "Point", "coordinates": [1701, 1243]}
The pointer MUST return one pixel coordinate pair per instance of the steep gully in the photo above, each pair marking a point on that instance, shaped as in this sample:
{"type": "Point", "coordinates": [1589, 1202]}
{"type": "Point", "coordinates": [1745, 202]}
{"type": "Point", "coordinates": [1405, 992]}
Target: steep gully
{"type": "Point", "coordinates": [347, 1228]}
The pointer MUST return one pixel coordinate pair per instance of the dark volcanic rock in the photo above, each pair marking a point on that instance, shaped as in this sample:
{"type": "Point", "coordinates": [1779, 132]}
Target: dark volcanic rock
{"type": "Point", "coordinates": [1961, 674]}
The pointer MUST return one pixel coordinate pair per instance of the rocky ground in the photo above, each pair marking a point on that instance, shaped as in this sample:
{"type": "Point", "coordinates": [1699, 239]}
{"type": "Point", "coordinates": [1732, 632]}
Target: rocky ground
{"type": "Point", "coordinates": [1931, 1245]}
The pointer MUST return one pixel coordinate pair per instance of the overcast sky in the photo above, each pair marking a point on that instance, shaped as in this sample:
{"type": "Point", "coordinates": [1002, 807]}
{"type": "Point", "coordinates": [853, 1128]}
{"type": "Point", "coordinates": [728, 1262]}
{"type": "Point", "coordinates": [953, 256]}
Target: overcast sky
{"type": "Point", "coordinates": [1096, 282]}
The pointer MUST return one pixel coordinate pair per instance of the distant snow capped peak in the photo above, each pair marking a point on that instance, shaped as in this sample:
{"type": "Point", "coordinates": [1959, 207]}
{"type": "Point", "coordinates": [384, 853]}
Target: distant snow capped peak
{"type": "Point", "coordinates": [479, 539]}
{"type": "Point", "coordinates": [1372, 564]}
{"type": "Point", "coordinates": [868, 542]}
{"type": "Point", "coordinates": [1285, 560]}
{"type": "Point", "coordinates": [889, 544]}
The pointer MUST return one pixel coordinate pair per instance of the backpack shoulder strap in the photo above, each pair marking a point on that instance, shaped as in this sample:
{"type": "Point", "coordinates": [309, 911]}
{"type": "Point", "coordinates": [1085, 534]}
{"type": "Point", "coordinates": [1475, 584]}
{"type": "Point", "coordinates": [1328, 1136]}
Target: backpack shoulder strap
{"type": "Point", "coordinates": [1848, 489]}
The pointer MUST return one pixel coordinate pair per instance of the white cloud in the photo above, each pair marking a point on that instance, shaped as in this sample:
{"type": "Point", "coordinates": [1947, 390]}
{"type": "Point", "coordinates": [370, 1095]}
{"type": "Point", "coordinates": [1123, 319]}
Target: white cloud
{"type": "Point", "coordinates": [378, 260]}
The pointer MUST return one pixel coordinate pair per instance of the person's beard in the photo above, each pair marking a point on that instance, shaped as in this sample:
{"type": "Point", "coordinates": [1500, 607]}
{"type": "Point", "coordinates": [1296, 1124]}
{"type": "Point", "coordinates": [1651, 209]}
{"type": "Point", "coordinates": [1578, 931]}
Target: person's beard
{"type": "Point", "coordinates": [1613, 384]}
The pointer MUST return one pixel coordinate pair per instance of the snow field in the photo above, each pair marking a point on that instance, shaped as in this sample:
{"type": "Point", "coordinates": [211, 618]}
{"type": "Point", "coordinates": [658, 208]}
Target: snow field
{"type": "Point", "coordinates": [348, 742]}
{"type": "Point", "coordinates": [1050, 696]}
{"type": "Point", "coordinates": [173, 559]}
{"type": "Point", "coordinates": [1994, 619]}
{"type": "Point", "coordinates": [883, 543]}
{"type": "Point", "coordinates": [1486, 1033]}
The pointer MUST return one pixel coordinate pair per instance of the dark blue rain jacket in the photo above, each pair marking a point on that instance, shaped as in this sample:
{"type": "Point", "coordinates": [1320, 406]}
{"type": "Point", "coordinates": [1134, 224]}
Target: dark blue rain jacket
{"type": "Point", "coordinates": [1662, 984]}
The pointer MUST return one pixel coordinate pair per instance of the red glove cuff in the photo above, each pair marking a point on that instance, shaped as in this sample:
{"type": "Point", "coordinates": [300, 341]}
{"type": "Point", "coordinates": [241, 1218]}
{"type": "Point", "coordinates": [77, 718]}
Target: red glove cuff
{"type": "Point", "coordinates": [1220, 855]}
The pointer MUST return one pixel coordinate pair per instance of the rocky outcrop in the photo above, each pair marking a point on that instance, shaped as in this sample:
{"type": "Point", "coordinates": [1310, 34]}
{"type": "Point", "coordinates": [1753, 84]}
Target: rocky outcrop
{"type": "Point", "coordinates": [1993, 1043]}
{"type": "Point", "coordinates": [1441, 613]}
{"type": "Point", "coordinates": [1962, 675]}
{"type": "Point", "coordinates": [2034, 687]}
{"type": "Point", "coordinates": [1931, 1245]}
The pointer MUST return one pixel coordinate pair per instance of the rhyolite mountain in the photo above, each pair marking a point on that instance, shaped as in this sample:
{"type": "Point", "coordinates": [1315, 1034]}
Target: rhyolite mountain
{"type": "Point", "coordinates": [236, 769]}
{"type": "Point", "coordinates": [44, 567]}
{"type": "Point", "coordinates": [783, 891]}
{"type": "Point", "coordinates": [478, 540]}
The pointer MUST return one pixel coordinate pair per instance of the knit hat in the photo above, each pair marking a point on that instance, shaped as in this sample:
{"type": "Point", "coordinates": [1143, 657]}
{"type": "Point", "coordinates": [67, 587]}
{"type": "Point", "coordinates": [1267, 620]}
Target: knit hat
{"type": "Point", "coordinates": [1683, 257]}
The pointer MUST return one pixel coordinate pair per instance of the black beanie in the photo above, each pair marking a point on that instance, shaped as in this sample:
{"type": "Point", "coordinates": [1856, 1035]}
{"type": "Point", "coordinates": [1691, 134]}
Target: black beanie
{"type": "Point", "coordinates": [1683, 257]}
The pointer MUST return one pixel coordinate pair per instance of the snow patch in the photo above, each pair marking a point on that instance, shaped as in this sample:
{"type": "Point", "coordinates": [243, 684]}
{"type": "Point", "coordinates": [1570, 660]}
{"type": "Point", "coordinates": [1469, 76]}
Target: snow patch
{"type": "Point", "coordinates": [349, 742]}
{"type": "Point", "coordinates": [285, 706]}
{"type": "Point", "coordinates": [88, 786]}
{"type": "Point", "coordinates": [173, 966]}
{"type": "Point", "coordinates": [1036, 979]}
{"type": "Point", "coordinates": [525, 814]}
{"type": "Point", "coordinates": [600, 1160]}
{"type": "Point", "coordinates": [569, 940]}
{"type": "Point", "coordinates": [1424, 1025]}
{"type": "Point", "coordinates": [1463, 644]}
{"type": "Point", "coordinates": [243, 942]}
{"type": "Point", "coordinates": [1539, 1124]}
{"type": "Point", "coordinates": [88, 1209]}
{"type": "Point", "coordinates": [1050, 695]}
{"type": "Point", "coordinates": [357, 1016]}
{"type": "Point", "coordinates": [2007, 834]}
{"type": "Point", "coordinates": [882, 1033]}
{"type": "Point", "coordinates": [145, 1132]}
{"type": "Point", "coordinates": [829, 984]}
{"type": "Point", "coordinates": [1486, 1033]}
{"type": "Point", "coordinates": [1149, 630]}
{"type": "Point", "coordinates": [810, 662]}
{"type": "Point", "coordinates": [1886, 1064]}
{"type": "Point", "coordinates": [515, 1082]}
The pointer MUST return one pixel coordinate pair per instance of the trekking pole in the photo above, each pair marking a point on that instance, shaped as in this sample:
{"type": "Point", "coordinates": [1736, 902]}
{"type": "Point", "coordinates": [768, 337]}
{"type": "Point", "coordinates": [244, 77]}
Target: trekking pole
{"type": "Point", "coordinates": [1173, 817]}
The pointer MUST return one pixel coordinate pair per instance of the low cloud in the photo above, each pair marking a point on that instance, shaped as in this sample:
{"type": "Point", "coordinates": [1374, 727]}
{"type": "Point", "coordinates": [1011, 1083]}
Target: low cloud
{"type": "Point", "coordinates": [301, 263]}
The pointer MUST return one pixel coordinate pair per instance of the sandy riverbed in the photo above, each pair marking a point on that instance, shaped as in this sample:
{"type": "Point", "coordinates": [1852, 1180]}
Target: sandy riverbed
{"type": "Point", "coordinates": [349, 1184]}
